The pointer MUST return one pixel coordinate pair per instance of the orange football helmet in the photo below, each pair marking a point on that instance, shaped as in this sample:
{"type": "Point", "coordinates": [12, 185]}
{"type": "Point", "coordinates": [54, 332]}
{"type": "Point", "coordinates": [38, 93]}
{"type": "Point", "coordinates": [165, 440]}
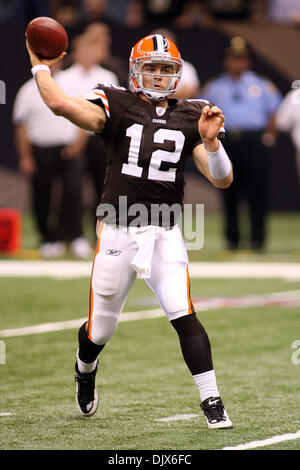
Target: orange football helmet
{"type": "Point", "coordinates": [150, 49]}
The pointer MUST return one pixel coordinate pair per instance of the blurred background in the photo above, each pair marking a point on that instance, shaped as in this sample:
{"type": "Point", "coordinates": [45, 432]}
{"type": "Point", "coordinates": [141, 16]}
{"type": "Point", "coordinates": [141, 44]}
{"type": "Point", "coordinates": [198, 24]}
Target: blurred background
{"type": "Point", "coordinates": [264, 32]}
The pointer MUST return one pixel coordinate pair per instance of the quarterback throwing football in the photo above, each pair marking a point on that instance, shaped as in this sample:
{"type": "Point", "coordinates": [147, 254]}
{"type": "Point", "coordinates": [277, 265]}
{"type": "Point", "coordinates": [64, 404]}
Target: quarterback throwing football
{"type": "Point", "coordinates": [148, 137]}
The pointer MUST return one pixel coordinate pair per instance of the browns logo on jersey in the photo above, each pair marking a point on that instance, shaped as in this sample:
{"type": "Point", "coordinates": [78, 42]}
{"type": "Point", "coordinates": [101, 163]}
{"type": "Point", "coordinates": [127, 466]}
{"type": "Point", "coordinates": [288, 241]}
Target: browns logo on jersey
{"type": "Point", "coordinates": [147, 147]}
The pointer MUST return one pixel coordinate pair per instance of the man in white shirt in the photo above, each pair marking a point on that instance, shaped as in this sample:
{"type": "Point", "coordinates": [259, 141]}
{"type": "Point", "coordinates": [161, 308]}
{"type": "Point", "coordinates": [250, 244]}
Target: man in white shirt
{"type": "Point", "coordinates": [48, 144]}
{"type": "Point", "coordinates": [85, 74]}
{"type": "Point", "coordinates": [288, 119]}
{"type": "Point", "coordinates": [85, 71]}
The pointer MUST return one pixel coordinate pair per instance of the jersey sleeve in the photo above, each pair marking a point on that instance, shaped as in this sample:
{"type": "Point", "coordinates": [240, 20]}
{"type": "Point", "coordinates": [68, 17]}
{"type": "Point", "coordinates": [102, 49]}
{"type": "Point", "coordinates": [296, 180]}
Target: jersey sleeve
{"type": "Point", "coordinates": [197, 105]}
{"type": "Point", "coordinates": [99, 97]}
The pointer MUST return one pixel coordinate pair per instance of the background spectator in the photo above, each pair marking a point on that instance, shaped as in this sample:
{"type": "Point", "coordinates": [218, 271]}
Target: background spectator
{"type": "Point", "coordinates": [249, 103]}
{"type": "Point", "coordinates": [283, 11]}
{"type": "Point", "coordinates": [288, 119]}
{"type": "Point", "coordinates": [50, 147]}
{"type": "Point", "coordinates": [157, 13]}
{"type": "Point", "coordinates": [102, 36]}
{"type": "Point", "coordinates": [83, 75]}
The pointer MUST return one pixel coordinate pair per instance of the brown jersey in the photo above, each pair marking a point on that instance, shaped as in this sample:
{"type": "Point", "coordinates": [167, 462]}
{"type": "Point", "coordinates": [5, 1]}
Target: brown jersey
{"type": "Point", "coordinates": [147, 147]}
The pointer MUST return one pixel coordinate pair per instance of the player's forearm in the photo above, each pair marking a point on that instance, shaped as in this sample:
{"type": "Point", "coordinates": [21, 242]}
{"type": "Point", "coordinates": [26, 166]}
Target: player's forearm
{"type": "Point", "coordinates": [223, 183]}
{"type": "Point", "coordinates": [219, 165]}
{"type": "Point", "coordinates": [214, 166]}
{"type": "Point", "coordinates": [77, 110]}
{"type": "Point", "coordinates": [50, 92]}
{"type": "Point", "coordinates": [211, 145]}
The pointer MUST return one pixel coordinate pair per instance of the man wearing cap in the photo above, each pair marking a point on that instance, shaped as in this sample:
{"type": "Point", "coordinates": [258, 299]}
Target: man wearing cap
{"type": "Point", "coordinates": [249, 102]}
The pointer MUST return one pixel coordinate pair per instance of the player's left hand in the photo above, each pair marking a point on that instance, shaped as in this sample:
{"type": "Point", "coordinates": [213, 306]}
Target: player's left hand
{"type": "Point", "coordinates": [210, 123]}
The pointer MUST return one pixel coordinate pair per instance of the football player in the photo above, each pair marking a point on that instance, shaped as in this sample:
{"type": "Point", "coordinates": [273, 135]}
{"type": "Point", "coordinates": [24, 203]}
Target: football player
{"type": "Point", "coordinates": [148, 137]}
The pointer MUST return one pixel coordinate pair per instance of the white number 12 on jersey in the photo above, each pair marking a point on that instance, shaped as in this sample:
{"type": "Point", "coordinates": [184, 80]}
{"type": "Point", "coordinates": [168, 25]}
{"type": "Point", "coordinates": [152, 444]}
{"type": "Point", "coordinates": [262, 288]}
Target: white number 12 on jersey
{"type": "Point", "coordinates": [160, 136]}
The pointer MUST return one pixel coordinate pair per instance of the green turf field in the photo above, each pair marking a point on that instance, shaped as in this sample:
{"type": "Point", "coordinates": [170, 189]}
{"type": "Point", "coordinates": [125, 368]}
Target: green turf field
{"type": "Point", "coordinates": [142, 377]}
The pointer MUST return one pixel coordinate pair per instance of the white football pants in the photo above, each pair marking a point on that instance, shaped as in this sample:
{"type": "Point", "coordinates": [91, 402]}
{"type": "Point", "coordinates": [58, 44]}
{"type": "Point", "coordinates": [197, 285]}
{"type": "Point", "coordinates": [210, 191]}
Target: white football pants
{"type": "Point", "coordinates": [156, 254]}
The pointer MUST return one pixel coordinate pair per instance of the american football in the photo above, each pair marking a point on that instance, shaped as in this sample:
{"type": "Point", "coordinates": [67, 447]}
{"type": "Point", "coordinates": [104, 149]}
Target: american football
{"type": "Point", "coordinates": [46, 37]}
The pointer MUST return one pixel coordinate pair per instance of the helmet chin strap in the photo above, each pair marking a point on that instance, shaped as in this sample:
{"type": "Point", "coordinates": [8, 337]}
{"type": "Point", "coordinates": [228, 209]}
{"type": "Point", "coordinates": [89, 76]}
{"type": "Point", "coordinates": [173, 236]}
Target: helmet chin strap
{"type": "Point", "coordinates": [156, 97]}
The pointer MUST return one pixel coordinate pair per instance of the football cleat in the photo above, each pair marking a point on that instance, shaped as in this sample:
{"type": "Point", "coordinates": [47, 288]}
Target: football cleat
{"type": "Point", "coordinates": [215, 414]}
{"type": "Point", "coordinates": [86, 392]}
{"type": "Point", "coordinates": [151, 49]}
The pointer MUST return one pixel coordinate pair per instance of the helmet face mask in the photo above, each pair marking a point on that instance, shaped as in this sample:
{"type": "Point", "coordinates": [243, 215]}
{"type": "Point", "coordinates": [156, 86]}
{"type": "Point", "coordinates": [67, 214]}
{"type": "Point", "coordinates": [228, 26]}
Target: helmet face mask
{"type": "Point", "coordinates": [151, 50]}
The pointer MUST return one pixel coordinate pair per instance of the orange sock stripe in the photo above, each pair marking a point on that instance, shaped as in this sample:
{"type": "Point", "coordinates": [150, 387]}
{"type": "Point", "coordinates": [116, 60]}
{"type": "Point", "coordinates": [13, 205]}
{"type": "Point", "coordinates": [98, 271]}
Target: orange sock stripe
{"type": "Point", "coordinates": [91, 296]}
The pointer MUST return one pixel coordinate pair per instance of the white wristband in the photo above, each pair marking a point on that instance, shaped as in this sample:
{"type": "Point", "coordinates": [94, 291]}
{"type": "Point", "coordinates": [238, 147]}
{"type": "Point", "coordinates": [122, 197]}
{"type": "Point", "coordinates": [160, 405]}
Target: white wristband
{"type": "Point", "coordinates": [38, 67]}
{"type": "Point", "coordinates": [219, 163]}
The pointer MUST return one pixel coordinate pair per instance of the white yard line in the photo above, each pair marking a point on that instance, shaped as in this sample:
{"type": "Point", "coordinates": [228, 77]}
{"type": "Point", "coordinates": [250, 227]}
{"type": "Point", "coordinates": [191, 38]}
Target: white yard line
{"type": "Point", "coordinates": [287, 271]}
{"type": "Point", "coordinates": [78, 269]}
{"type": "Point", "coordinates": [288, 298]}
{"type": "Point", "coordinates": [177, 418]}
{"type": "Point", "coordinates": [54, 269]}
{"type": "Point", "coordinates": [265, 442]}
{"type": "Point", "coordinates": [71, 324]}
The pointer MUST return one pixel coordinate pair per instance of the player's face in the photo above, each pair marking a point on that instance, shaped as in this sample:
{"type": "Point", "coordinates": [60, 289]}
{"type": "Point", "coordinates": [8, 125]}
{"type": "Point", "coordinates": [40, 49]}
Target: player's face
{"type": "Point", "coordinates": [157, 75]}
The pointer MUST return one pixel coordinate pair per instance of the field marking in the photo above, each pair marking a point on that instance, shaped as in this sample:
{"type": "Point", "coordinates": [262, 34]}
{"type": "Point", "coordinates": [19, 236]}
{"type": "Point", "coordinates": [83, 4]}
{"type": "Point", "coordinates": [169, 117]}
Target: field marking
{"type": "Point", "coordinates": [288, 298]}
{"type": "Point", "coordinates": [6, 414]}
{"type": "Point", "coordinates": [71, 324]}
{"type": "Point", "coordinates": [177, 418]}
{"type": "Point", "coordinates": [265, 442]}
{"type": "Point", "coordinates": [53, 269]}
{"type": "Point", "coordinates": [78, 269]}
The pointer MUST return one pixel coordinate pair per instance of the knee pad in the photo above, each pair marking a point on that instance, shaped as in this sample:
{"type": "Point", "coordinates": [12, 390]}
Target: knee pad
{"type": "Point", "coordinates": [103, 328]}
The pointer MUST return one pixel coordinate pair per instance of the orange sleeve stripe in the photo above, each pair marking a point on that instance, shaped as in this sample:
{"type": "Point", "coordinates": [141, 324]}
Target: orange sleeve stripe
{"type": "Point", "coordinates": [100, 94]}
{"type": "Point", "coordinates": [104, 98]}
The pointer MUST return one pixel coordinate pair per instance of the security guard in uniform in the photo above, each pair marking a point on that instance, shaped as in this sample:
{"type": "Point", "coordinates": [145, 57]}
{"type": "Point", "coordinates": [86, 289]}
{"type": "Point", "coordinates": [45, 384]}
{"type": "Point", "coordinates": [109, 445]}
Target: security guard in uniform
{"type": "Point", "coordinates": [249, 102]}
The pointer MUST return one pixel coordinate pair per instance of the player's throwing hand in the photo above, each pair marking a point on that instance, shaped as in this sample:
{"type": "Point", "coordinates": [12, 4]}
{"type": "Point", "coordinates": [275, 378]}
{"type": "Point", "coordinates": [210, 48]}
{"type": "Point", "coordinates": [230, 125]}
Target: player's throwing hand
{"type": "Point", "coordinates": [36, 60]}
